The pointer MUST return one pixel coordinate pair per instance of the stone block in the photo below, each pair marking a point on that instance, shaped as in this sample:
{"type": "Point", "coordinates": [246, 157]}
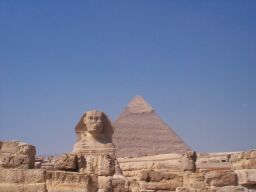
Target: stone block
{"type": "Point", "coordinates": [118, 185]}
{"type": "Point", "coordinates": [24, 176]}
{"type": "Point", "coordinates": [185, 189]}
{"type": "Point", "coordinates": [11, 188]}
{"type": "Point", "coordinates": [162, 185]}
{"type": "Point", "coordinates": [154, 176]}
{"type": "Point", "coordinates": [220, 178]}
{"type": "Point", "coordinates": [11, 176]}
{"type": "Point", "coordinates": [63, 181]}
{"type": "Point", "coordinates": [246, 176]}
{"type": "Point", "coordinates": [244, 160]}
{"type": "Point", "coordinates": [37, 187]}
{"type": "Point", "coordinates": [104, 183]}
{"type": "Point", "coordinates": [231, 189]}
{"type": "Point", "coordinates": [67, 162]}
{"type": "Point", "coordinates": [34, 176]}
{"type": "Point", "coordinates": [194, 180]}
{"type": "Point", "coordinates": [15, 154]}
{"type": "Point", "coordinates": [188, 161]}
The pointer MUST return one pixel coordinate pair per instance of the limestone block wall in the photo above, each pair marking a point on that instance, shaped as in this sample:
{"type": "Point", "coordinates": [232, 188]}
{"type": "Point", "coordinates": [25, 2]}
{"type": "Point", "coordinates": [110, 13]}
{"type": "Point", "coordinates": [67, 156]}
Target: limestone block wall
{"type": "Point", "coordinates": [132, 167]}
{"type": "Point", "coordinates": [68, 174]}
{"type": "Point", "coordinates": [15, 154]}
{"type": "Point", "coordinates": [22, 180]}
{"type": "Point", "coordinates": [215, 172]}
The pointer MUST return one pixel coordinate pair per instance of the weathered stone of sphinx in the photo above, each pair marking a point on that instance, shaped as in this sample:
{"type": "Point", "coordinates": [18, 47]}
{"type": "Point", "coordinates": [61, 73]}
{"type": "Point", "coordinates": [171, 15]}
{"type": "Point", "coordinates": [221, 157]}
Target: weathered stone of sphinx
{"type": "Point", "coordinates": [16, 154]}
{"type": "Point", "coordinates": [94, 134]}
{"type": "Point", "coordinates": [95, 152]}
{"type": "Point", "coordinates": [94, 144]}
{"type": "Point", "coordinates": [67, 162]}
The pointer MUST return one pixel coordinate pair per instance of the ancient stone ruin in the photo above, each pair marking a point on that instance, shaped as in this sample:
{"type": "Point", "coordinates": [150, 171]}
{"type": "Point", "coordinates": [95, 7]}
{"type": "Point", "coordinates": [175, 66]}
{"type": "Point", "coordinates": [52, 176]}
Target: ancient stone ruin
{"type": "Point", "coordinates": [93, 167]}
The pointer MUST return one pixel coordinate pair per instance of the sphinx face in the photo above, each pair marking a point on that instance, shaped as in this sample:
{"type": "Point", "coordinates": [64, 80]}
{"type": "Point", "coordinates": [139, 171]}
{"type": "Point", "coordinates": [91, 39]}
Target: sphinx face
{"type": "Point", "coordinates": [94, 123]}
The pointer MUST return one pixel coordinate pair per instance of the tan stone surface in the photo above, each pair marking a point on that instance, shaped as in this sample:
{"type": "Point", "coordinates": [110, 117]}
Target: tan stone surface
{"type": "Point", "coordinates": [220, 178]}
{"type": "Point", "coordinates": [63, 181]}
{"type": "Point", "coordinates": [133, 166]}
{"type": "Point", "coordinates": [188, 161]}
{"type": "Point", "coordinates": [15, 154]}
{"type": "Point", "coordinates": [95, 152]}
{"type": "Point", "coordinates": [244, 160]}
{"type": "Point", "coordinates": [104, 183]}
{"type": "Point", "coordinates": [156, 176]}
{"type": "Point", "coordinates": [214, 161]}
{"type": "Point", "coordinates": [139, 131]}
{"type": "Point", "coordinates": [22, 180]}
{"type": "Point", "coordinates": [194, 180]}
{"type": "Point", "coordinates": [185, 189]}
{"type": "Point", "coordinates": [67, 162]}
{"type": "Point", "coordinates": [246, 176]}
{"type": "Point", "coordinates": [162, 185]}
{"type": "Point", "coordinates": [118, 185]}
{"type": "Point", "coordinates": [24, 176]}
{"type": "Point", "coordinates": [231, 189]}
{"type": "Point", "coordinates": [23, 188]}
{"type": "Point", "coordinates": [94, 134]}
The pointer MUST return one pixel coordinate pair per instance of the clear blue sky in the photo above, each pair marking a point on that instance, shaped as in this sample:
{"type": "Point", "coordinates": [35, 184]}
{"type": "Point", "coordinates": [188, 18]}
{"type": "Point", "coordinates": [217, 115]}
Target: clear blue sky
{"type": "Point", "coordinates": [193, 61]}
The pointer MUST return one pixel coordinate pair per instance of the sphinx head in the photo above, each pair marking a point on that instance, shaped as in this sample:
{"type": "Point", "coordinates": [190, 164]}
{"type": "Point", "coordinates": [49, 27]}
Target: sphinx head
{"type": "Point", "coordinates": [95, 123]}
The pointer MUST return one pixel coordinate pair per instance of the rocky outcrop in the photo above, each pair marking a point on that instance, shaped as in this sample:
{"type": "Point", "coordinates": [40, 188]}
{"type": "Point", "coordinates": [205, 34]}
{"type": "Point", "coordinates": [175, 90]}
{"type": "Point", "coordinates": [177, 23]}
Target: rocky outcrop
{"type": "Point", "coordinates": [246, 176]}
{"type": "Point", "coordinates": [175, 172]}
{"type": "Point", "coordinates": [63, 181]}
{"type": "Point", "coordinates": [188, 161]}
{"type": "Point", "coordinates": [220, 178]}
{"type": "Point", "coordinates": [244, 160]}
{"type": "Point", "coordinates": [15, 154]}
{"type": "Point", "coordinates": [22, 180]}
{"type": "Point", "coordinates": [67, 162]}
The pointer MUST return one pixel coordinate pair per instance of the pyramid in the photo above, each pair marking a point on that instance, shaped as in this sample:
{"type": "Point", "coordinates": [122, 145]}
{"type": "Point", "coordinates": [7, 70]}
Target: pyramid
{"type": "Point", "coordinates": [139, 131]}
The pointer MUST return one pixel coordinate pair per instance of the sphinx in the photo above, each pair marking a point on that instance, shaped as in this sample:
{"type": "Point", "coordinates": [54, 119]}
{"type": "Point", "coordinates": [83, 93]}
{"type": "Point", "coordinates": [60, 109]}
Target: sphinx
{"type": "Point", "coordinates": [94, 134]}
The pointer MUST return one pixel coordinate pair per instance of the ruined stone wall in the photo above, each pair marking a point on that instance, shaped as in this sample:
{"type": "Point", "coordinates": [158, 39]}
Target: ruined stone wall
{"type": "Point", "coordinates": [18, 173]}
{"type": "Point", "coordinates": [215, 172]}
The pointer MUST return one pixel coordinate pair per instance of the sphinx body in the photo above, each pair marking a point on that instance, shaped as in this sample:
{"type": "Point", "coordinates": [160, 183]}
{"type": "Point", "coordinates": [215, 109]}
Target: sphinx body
{"type": "Point", "coordinates": [94, 148]}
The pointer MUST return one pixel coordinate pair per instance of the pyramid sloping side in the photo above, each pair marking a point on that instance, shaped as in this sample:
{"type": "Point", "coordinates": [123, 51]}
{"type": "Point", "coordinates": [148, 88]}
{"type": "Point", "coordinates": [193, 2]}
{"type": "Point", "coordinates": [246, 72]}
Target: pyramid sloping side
{"type": "Point", "coordinates": [141, 134]}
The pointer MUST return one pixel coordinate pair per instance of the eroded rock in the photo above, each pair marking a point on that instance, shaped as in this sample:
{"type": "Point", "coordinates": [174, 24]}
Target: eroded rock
{"type": "Point", "coordinates": [220, 178]}
{"type": "Point", "coordinates": [244, 160]}
{"type": "Point", "coordinates": [246, 176]}
{"type": "Point", "coordinates": [67, 162]}
{"type": "Point", "coordinates": [15, 154]}
{"type": "Point", "coordinates": [188, 161]}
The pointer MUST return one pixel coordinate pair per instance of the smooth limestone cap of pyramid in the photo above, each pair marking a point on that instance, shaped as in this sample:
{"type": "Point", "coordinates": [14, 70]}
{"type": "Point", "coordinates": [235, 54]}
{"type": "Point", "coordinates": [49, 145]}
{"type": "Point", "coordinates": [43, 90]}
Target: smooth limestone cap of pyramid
{"type": "Point", "coordinates": [139, 105]}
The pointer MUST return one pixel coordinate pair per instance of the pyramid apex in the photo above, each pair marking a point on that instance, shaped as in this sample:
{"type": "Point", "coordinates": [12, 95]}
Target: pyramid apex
{"type": "Point", "coordinates": [139, 105]}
